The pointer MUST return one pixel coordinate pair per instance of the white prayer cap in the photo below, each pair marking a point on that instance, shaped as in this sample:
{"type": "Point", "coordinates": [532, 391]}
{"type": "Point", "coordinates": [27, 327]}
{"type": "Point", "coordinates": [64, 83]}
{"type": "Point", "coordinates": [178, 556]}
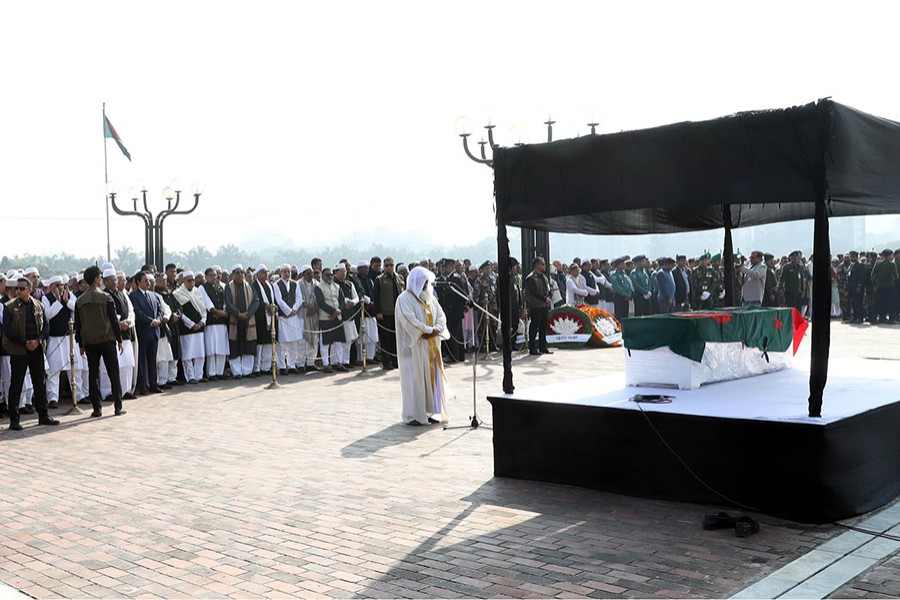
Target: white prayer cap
{"type": "Point", "coordinates": [11, 273]}
{"type": "Point", "coordinates": [120, 273]}
{"type": "Point", "coordinates": [217, 268]}
{"type": "Point", "coordinates": [73, 275]}
{"type": "Point", "coordinates": [237, 267]}
{"type": "Point", "coordinates": [339, 267]}
{"type": "Point", "coordinates": [261, 267]}
{"type": "Point", "coordinates": [473, 268]}
{"type": "Point", "coordinates": [187, 274]}
{"type": "Point", "coordinates": [417, 279]}
{"type": "Point", "coordinates": [64, 279]}
{"type": "Point", "coordinates": [108, 272]}
{"type": "Point", "coordinates": [80, 277]}
{"type": "Point", "coordinates": [362, 263]}
{"type": "Point", "coordinates": [352, 269]}
{"type": "Point", "coordinates": [31, 271]}
{"type": "Point", "coordinates": [284, 266]}
{"type": "Point", "coordinates": [305, 268]}
{"type": "Point", "coordinates": [52, 280]}
{"type": "Point", "coordinates": [107, 265]}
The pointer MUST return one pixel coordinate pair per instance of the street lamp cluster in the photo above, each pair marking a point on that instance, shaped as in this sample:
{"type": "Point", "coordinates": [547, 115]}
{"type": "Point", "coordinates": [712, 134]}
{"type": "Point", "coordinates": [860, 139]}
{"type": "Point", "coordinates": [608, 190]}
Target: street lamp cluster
{"type": "Point", "coordinates": [153, 225]}
{"type": "Point", "coordinates": [534, 243]}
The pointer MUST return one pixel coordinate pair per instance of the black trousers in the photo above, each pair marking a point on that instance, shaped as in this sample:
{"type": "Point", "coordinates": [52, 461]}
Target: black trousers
{"type": "Point", "coordinates": [857, 301]}
{"type": "Point", "coordinates": [33, 361]}
{"type": "Point", "coordinates": [454, 345]}
{"type": "Point", "coordinates": [388, 341]}
{"type": "Point", "coordinates": [109, 353]}
{"type": "Point", "coordinates": [537, 330]}
{"type": "Point", "coordinates": [794, 300]}
{"type": "Point", "coordinates": [147, 349]}
{"type": "Point", "coordinates": [641, 306]}
{"type": "Point", "coordinates": [620, 304]}
{"type": "Point", "coordinates": [884, 303]}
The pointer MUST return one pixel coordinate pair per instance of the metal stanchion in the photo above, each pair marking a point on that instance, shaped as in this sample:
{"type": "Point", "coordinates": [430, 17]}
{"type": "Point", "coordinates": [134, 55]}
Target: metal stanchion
{"type": "Point", "coordinates": [274, 384]}
{"type": "Point", "coordinates": [362, 339]}
{"type": "Point", "coordinates": [74, 410]}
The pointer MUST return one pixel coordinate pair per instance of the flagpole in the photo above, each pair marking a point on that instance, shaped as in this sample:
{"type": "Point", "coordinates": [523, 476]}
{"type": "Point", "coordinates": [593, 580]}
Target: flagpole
{"type": "Point", "coordinates": [105, 186]}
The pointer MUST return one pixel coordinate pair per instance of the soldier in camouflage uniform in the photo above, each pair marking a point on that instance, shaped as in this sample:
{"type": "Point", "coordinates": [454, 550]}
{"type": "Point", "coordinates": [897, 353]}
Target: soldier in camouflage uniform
{"type": "Point", "coordinates": [705, 285]}
{"type": "Point", "coordinates": [843, 286]}
{"type": "Point", "coordinates": [485, 295]}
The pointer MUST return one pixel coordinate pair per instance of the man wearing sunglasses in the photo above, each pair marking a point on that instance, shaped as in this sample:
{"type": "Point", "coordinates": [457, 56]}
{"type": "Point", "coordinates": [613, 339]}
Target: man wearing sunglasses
{"type": "Point", "coordinates": [24, 330]}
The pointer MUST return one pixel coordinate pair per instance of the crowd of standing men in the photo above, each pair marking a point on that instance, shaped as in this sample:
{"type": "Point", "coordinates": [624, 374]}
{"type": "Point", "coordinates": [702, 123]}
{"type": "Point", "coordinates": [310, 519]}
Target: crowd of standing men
{"type": "Point", "coordinates": [155, 330]}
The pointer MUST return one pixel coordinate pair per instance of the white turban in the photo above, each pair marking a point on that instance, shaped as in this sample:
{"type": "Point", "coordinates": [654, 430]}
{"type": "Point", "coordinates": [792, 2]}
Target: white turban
{"type": "Point", "coordinates": [237, 267]}
{"type": "Point", "coordinates": [362, 263]}
{"type": "Point", "coordinates": [417, 279]}
{"type": "Point", "coordinates": [107, 265]}
{"type": "Point", "coordinates": [305, 268]}
{"type": "Point", "coordinates": [339, 267]}
{"type": "Point", "coordinates": [187, 274]}
{"type": "Point", "coordinates": [109, 272]}
{"type": "Point", "coordinates": [54, 279]}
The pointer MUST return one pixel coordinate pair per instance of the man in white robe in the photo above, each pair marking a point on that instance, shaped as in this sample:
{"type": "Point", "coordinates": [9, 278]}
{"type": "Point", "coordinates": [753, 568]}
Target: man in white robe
{"type": "Point", "coordinates": [215, 334]}
{"type": "Point", "coordinates": [421, 325]}
{"type": "Point", "coordinates": [193, 320]}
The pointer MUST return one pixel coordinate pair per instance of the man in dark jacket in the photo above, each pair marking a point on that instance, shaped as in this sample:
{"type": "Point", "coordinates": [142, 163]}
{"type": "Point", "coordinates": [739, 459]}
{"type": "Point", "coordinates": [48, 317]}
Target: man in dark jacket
{"type": "Point", "coordinates": [537, 298]}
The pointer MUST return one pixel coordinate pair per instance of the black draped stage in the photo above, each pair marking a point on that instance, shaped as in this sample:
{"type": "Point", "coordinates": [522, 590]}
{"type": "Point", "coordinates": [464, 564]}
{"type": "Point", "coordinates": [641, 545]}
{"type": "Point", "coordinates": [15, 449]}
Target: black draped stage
{"type": "Point", "coordinates": [815, 161]}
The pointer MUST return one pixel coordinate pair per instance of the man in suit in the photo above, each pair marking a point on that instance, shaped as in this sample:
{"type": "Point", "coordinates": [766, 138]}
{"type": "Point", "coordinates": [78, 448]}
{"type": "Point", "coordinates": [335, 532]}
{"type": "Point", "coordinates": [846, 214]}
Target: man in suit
{"type": "Point", "coordinates": [148, 318]}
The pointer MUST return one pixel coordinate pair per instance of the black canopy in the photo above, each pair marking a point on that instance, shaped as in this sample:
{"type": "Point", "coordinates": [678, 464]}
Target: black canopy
{"type": "Point", "coordinates": [813, 161]}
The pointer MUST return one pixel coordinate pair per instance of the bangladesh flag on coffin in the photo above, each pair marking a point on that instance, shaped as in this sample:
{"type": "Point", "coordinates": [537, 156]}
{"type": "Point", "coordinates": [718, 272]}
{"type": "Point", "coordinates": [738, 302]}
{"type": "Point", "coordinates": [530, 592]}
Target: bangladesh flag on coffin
{"type": "Point", "coordinates": [686, 334]}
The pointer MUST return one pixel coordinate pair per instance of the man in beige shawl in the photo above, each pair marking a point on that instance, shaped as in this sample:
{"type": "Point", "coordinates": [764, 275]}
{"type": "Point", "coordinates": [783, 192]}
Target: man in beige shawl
{"type": "Point", "coordinates": [421, 325]}
{"type": "Point", "coordinates": [241, 304]}
{"type": "Point", "coordinates": [193, 320]}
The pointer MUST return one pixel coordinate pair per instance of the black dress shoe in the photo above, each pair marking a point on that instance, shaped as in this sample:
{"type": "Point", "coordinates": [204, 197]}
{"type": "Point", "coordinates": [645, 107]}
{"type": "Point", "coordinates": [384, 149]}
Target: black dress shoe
{"type": "Point", "coordinates": [415, 423]}
{"type": "Point", "coordinates": [177, 382]}
{"type": "Point", "coordinates": [121, 412]}
{"type": "Point", "coordinates": [47, 421]}
{"type": "Point", "coordinates": [15, 426]}
{"type": "Point", "coordinates": [156, 391]}
{"type": "Point", "coordinates": [26, 410]}
{"type": "Point", "coordinates": [203, 380]}
{"type": "Point", "coordinates": [53, 404]}
{"type": "Point", "coordinates": [328, 369]}
{"type": "Point", "coordinates": [128, 396]}
{"type": "Point", "coordinates": [96, 414]}
{"type": "Point", "coordinates": [84, 401]}
{"type": "Point", "coordinates": [341, 368]}
{"type": "Point", "coordinates": [212, 378]}
{"type": "Point", "coordinates": [165, 386]}
{"type": "Point", "coordinates": [545, 351]}
{"type": "Point", "coordinates": [534, 353]}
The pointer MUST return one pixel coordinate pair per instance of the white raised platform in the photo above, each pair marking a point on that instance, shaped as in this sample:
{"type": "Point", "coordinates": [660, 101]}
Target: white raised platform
{"type": "Point", "coordinates": [854, 387]}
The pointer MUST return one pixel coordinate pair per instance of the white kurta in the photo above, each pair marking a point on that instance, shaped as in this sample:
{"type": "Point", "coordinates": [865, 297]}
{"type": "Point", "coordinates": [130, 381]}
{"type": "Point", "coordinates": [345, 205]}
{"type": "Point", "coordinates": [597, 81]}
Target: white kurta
{"type": "Point", "coordinates": [423, 387]}
{"type": "Point", "coordinates": [290, 329]}
{"type": "Point", "coordinates": [350, 332]}
{"type": "Point", "coordinates": [215, 337]}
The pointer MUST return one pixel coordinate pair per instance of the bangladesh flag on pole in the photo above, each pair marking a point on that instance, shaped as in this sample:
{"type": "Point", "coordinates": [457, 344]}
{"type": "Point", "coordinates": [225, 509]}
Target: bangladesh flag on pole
{"type": "Point", "coordinates": [110, 132]}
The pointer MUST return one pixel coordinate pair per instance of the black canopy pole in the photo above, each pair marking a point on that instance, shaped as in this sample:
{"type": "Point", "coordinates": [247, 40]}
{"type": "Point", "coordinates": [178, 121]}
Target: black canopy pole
{"type": "Point", "coordinates": [503, 299]}
{"type": "Point", "coordinates": [728, 256]}
{"type": "Point", "coordinates": [821, 286]}
{"type": "Point", "coordinates": [821, 310]}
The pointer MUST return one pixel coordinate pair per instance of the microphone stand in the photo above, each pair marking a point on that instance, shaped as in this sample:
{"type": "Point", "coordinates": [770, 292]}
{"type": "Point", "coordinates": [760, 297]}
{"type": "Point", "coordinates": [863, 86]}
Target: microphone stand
{"type": "Point", "coordinates": [475, 421]}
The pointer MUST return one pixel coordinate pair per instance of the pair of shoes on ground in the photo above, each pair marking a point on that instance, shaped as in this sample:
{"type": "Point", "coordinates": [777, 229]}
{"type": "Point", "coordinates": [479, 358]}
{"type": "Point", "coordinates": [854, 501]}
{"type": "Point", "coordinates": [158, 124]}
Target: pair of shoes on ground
{"type": "Point", "coordinates": [743, 526]}
{"type": "Point", "coordinates": [97, 414]}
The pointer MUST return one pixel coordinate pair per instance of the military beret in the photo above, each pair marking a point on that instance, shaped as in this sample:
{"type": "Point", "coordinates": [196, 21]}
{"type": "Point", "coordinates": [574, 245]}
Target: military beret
{"type": "Point", "coordinates": [705, 256]}
{"type": "Point", "coordinates": [486, 263]}
{"type": "Point", "coordinates": [887, 252]}
{"type": "Point", "coordinates": [716, 257]}
{"type": "Point", "coordinates": [639, 257]}
{"type": "Point", "coordinates": [618, 260]}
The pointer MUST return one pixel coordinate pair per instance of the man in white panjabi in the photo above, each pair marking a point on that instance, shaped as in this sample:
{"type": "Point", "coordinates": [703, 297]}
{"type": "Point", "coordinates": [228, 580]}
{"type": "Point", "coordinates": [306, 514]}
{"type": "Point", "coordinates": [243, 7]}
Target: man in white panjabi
{"type": "Point", "coordinates": [59, 309]}
{"type": "Point", "coordinates": [421, 325]}
{"type": "Point", "coordinates": [290, 322]}
{"type": "Point", "coordinates": [193, 320]}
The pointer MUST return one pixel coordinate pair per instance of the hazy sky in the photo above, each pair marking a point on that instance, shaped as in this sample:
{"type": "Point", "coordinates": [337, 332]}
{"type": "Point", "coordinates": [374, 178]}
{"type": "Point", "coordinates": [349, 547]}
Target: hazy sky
{"type": "Point", "coordinates": [317, 121]}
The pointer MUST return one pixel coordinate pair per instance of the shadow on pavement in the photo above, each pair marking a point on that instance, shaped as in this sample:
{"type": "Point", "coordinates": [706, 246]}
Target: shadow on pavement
{"type": "Point", "coordinates": [393, 435]}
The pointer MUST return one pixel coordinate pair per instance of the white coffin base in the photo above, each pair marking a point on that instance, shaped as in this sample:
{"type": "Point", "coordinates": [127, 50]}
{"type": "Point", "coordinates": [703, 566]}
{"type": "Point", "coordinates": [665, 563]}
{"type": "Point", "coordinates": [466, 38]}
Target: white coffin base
{"type": "Point", "coordinates": [721, 362]}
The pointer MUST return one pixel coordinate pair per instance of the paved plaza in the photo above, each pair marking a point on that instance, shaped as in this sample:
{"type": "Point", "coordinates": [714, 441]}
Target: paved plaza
{"type": "Point", "coordinates": [316, 489]}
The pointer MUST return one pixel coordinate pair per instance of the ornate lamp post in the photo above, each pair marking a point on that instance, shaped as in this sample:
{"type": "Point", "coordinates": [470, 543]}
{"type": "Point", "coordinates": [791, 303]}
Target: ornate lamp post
{"type": "Point", "coordinates": [534, 242]}
{"type": "Point", "coordinates": [153, 225]}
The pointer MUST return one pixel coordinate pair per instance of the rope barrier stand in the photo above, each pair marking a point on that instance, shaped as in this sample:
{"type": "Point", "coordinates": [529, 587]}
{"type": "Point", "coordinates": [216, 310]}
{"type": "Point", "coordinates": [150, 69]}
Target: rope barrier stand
{"type": "Point", "coordinates": [274, 384]}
